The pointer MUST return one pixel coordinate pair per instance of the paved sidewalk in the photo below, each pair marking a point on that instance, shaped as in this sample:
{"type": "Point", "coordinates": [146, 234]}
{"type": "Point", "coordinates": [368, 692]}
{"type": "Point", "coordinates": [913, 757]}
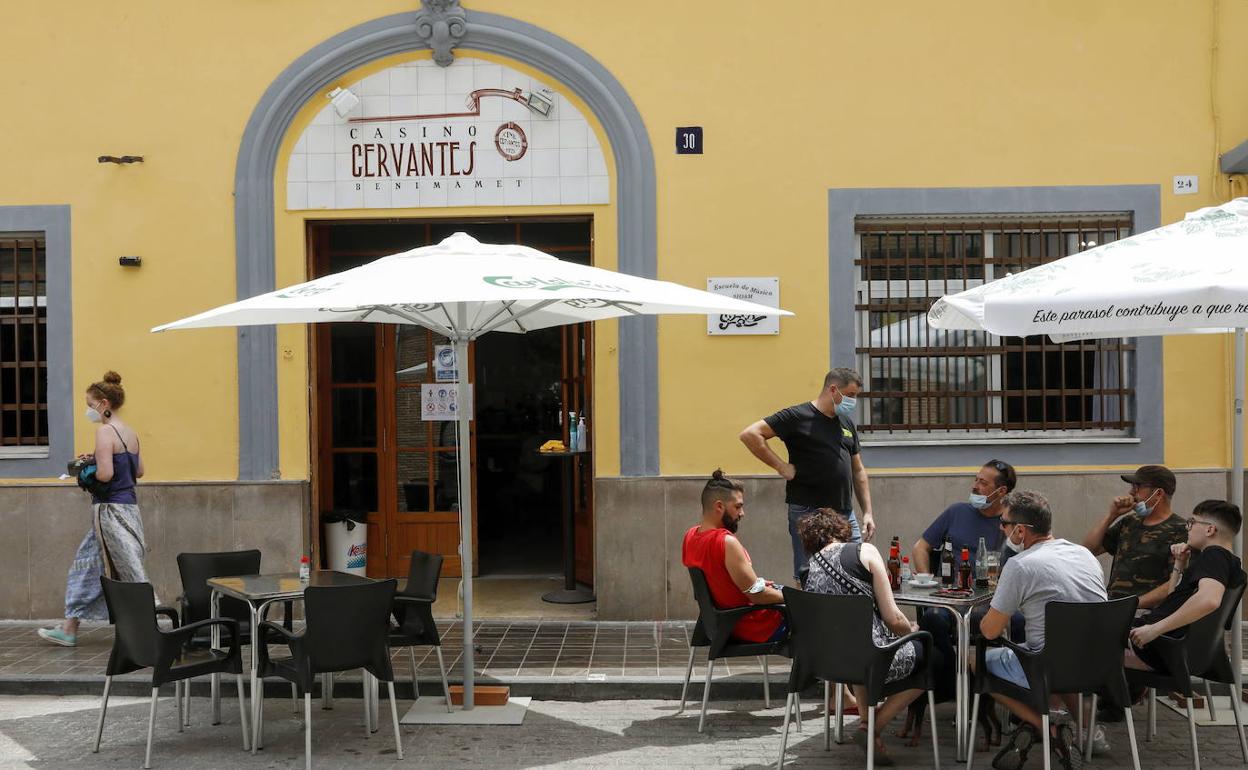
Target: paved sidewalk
{"type": "Point", "coordinates": [42, 731]}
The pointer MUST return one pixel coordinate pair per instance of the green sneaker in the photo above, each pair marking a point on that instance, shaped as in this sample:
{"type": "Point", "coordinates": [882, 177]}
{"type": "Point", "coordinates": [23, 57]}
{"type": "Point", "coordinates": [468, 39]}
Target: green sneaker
{"type": "Point", "coordinates": [57, 636]}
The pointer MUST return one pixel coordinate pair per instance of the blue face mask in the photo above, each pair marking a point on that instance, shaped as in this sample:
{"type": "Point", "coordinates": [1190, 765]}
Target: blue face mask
{"type": "Point", "coordinates": [979, 502]}
{"type": "Point", "coordinates": [1142, 508]}
{"type": "Point", "coordinates": [846, 407]}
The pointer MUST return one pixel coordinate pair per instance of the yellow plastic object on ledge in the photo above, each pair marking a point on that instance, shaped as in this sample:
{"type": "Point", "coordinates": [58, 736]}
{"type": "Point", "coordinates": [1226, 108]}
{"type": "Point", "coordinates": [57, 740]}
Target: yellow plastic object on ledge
{"type": "Point", "coordinates": [554, 445]}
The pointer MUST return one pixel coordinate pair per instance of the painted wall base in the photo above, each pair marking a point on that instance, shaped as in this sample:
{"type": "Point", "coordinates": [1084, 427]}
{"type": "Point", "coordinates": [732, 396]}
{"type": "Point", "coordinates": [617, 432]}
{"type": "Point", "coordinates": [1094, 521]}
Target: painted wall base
{"type": "Point", "coordinates": [42, 525]}
{"type": "Point", "coordinates": [640, 523]}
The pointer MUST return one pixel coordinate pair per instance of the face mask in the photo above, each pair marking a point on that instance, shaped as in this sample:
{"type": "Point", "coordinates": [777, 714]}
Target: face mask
{"type": "Point", "coordinates": [93, 415]}
{"type": "Point", "coordinates": [1015, 547]}
{"type": "Point", "coordinates": [979, 502]}
{"type": "Point", "coordinates": [846, 407]}
{"type": "Point", "coordinates": [1142, 508]}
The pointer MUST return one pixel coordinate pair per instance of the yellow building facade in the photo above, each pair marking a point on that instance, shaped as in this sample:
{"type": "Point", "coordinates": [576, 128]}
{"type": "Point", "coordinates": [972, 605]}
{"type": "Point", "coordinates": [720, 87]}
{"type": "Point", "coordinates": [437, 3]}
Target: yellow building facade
{"type": "Point", "coordinates": [822, 125]}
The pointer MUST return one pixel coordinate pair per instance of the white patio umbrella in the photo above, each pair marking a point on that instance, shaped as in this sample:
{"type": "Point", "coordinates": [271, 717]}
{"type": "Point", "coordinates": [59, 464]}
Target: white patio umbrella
{"type": "Point", "coordinates": [1189, 277]}
{"type": "Point", "coordinates": [463, 289]}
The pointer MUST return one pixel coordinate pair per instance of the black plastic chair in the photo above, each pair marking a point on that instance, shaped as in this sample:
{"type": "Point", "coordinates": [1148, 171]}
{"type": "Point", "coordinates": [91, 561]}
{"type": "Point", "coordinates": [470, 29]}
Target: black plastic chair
{"type": "Point", "coordinates": [195, 604]}
{"type": "Point", "coordinates": [139, 642]}
{"type": "Point", "coordinates": [714, 631]}
{"type": "Point", "coordinates": [1201, 652]}
{"type": "Point", "coordinates": [1083, 649]}
{"type": "Point", "coordinates": [413, 611]}
{"type": "Point", "coordinates": [831, 640]}
{"type": "Point", "coordinates": [345, 629]}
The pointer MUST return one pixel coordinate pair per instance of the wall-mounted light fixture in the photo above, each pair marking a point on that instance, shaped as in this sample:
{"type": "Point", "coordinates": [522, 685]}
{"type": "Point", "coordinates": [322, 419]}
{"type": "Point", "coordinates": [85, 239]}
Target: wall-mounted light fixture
{"type": "Point", "coordinates": [539, 103]}
{"type": "Point", "coordinates": [130, 261]}
{"type": "Point", "coordinates": [120, 159]}
{"type": "Point", "coordinates": [343, 100]}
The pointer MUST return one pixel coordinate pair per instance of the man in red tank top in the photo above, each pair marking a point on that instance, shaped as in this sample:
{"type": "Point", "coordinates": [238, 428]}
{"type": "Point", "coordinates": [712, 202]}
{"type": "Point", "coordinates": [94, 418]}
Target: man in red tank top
{"type": "Point", "coordinates": [713, 548]}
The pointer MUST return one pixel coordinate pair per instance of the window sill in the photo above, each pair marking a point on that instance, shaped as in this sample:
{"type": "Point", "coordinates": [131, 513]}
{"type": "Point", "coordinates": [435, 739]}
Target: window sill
{"type": "Point", "coordinates": [956, 440]}
{"type": "Point", "coordinates": [25, 453]}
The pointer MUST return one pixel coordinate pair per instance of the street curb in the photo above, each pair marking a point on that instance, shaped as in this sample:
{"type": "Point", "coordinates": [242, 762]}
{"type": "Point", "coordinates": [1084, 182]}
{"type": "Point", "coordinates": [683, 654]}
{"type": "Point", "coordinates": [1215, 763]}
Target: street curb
{"type": "Point", "coordinates": [542, 688]}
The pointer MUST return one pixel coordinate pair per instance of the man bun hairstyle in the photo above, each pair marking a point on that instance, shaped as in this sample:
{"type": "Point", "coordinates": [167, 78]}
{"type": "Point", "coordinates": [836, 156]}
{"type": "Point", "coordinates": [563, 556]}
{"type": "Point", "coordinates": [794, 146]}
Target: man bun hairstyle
{"type": "Point", "coordinates": [720, 487]}
{"type": "Point", "coordinates": [109, 389]}
{"type": "Point", "coordinates": [841, 377]}
{"type": "Point", "coordinates": [1227, 515]}
{"type": "Point", "coordinates": [1030, 508]}
{"type": "Point", "coordinates": [820, 527]}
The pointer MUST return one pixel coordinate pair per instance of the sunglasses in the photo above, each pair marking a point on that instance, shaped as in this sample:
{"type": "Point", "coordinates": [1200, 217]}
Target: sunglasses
{"type": "Point", "coordinates": [1004, 523]}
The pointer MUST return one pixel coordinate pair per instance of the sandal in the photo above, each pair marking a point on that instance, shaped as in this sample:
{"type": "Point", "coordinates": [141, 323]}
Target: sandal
{"type": "Point", "coordinates": [1065, 748]}
{"type": "Point", "coordinates": [882, 757]}
{"type": "Point", "coordinates": [1013, 755]}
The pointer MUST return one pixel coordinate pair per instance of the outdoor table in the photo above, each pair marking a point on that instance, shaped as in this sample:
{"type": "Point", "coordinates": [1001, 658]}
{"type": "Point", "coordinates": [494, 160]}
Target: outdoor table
{"type": "Point", "coordinates": [960, 609]}
{"type": "Point", "coordinates": [570, 593]}
{"type": "Point", "coordinates": [259, 591]}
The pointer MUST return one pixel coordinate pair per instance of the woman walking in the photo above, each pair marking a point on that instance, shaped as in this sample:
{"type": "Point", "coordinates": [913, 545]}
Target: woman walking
{"type": "Point", "coordinates": [114, 546]}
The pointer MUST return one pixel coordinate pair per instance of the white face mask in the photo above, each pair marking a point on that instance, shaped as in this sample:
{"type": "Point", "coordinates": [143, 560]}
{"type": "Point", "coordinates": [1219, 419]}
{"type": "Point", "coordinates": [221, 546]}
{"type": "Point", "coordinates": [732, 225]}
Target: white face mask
{"type": "Point", "coordinates": [93, 415]}
{"type": "Point", "coordinates": [980, 502]}
{"type": "Point", "coordinates": [1015, 547]}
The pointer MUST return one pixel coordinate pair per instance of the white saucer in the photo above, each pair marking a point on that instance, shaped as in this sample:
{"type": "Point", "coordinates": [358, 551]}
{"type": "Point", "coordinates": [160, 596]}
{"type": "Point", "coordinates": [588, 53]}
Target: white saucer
{"type": "Point", "coordinates": [916, 584]}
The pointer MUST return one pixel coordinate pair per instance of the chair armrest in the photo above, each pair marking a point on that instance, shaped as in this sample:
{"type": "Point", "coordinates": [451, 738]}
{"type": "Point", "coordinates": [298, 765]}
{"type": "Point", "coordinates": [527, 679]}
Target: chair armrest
{"type": "Point", "coordinates": [184, 633]}
{"type": "Point", "coordinates": [286, 634]}
{"type": "Point", "coordinates": [169, 612]}
{"type": "Point", "coordinates": [413, 599]}
{"type": "Point", "coordinates": [261, 649]}
{"type": "Point", "coordinates": [727, 621]}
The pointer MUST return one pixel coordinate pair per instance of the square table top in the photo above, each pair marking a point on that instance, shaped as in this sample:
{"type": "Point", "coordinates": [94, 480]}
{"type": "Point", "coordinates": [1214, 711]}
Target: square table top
{"type": "Point", "coordinates": [926, 597]}
{"type": "Point", "coordinates": [282, 585]}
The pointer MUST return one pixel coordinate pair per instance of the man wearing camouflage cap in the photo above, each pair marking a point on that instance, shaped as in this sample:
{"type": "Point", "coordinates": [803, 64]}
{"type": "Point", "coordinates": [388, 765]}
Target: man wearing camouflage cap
{"type": "Point", "coordinates": [1138, 531]}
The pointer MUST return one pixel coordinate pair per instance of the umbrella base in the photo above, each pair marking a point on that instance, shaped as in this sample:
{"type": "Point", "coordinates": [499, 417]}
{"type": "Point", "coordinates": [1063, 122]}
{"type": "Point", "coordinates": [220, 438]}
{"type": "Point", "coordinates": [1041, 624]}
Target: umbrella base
{"type": "Point", "coordinates": [570, 596]}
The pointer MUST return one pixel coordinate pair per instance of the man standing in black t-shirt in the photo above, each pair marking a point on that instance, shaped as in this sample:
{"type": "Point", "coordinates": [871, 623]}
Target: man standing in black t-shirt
{"type": "Point", "coordinates": [1196, 588]}
{"type": "Point", "coordinates": [822, 444]}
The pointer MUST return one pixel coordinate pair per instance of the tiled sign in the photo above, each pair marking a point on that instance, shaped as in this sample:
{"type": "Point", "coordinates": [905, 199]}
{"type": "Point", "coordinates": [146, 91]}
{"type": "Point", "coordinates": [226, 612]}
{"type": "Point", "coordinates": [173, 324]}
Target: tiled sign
{"type": "Point", "coordinates": [475, 133]}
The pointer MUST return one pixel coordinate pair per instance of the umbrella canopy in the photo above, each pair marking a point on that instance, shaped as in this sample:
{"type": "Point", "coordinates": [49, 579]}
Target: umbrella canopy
{"type": "Point", "coordinates": [1183, 278]}
{"type": "Point", "coordinates": [463, 288]}
{"type": "Point", "coordinates": [495, 287]}
{"type": "Point", "coordinates": [1189, 277]}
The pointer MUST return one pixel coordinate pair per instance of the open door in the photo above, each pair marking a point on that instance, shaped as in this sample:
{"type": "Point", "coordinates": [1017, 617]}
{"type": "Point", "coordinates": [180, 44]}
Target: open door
{"type": "Point", "coordinates": [576, 391]}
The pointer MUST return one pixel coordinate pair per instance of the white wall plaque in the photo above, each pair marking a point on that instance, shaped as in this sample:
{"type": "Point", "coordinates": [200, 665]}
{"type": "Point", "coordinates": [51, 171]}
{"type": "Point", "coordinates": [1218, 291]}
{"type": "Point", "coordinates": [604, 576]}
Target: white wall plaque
{"type": "Point", "coordinates": [437, 401]}
{"type": "Point", "coordinates": [471, 134]}
{"type": "Point", "coordinates": [764, 291]}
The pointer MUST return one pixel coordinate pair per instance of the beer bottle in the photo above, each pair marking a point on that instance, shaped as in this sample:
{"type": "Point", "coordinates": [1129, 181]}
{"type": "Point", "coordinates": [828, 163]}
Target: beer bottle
{"type": "Point", "coordinates": [966, 575]}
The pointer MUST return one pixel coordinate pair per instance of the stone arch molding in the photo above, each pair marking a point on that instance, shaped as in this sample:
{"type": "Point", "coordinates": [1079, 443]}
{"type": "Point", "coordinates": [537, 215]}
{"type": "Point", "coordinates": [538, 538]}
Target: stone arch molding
{"type": "Point", "coordinates": [307, 78]}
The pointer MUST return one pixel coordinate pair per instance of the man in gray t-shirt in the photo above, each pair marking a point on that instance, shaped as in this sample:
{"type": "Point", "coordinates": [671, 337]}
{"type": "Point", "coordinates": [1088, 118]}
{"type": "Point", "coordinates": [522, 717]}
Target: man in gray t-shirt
{"type": "Point", "coordinates": [1047, 570]}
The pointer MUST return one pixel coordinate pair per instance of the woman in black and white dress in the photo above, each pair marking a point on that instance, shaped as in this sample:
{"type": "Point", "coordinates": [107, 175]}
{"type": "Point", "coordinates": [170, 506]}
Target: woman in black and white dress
{"type": "Point", "coordinates": [840, 567]}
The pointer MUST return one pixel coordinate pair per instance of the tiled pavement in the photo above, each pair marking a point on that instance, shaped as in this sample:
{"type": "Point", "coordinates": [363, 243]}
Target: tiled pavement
{"type": "Point", "coordinates": [506, 651]}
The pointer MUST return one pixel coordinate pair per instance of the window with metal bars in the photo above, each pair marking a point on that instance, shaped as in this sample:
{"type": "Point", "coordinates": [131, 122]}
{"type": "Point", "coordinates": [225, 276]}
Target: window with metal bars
{"type": "Point", "coordinates": [23, 340]}
{"type": "Point", "coordinates": [919, 380]}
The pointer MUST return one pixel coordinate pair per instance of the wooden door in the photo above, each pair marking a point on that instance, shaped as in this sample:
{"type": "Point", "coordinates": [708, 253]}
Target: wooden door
{"type": "Point", "coordinates": [577, 354]}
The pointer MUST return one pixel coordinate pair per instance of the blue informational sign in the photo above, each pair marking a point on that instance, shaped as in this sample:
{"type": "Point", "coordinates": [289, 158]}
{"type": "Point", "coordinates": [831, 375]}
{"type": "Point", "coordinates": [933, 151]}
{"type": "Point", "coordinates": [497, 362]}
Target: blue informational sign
{"type": "Point", "coordinates": [689, 140]}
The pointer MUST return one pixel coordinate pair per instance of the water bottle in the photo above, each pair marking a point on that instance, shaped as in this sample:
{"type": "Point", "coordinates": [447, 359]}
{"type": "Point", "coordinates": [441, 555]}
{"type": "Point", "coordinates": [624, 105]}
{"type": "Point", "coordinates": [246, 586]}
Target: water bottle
{"type": "Point", "coordinates": [305, 568]}
{"type": "Point", "coordinates": [571, 431]}
{"type": "Point", "coordinates": [906, 574]}
{"type": "Point", "coordinates": [981, 565]}
{"type": "Point", "coordinates": [582, 439]}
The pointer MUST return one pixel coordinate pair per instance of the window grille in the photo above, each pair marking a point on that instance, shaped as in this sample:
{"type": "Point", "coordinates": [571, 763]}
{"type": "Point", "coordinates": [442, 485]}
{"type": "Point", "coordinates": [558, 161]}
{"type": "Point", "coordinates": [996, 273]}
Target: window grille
{"type": "Point", "coordinates": [919, 380]}
{"type": "Point", "coordinates": [23, 340]}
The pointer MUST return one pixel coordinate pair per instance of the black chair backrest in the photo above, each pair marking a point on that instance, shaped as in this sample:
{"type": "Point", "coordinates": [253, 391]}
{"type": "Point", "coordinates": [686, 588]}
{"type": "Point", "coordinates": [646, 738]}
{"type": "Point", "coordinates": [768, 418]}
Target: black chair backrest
{"type": "Point", "coordinates": [708, 616]}
{"type": "Point", "coordinates": [1205, 642]}
{"type": "Point", "coordinates": [347, 627]}
{"type": "Point", "coordinates": [195, 570]}
{"type": "Point", "coordinates": [136, 637]}
{"type": "Point", "coordinates": [830, 636]}
{"type": "Point", "coordinates": [422, 575]}
{"type": "Point", "coordinates": [1084, 643]}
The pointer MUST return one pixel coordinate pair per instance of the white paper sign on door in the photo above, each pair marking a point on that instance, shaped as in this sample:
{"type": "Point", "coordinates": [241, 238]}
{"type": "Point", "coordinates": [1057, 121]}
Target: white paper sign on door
{"type": "Point", "coordinates": [763, 291]}
{"type": "Point", "coordinates": [437, 401]}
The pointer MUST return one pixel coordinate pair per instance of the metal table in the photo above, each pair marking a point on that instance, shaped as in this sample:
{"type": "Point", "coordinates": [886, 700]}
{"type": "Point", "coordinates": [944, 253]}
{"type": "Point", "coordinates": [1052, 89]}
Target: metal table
{"type": "Point", "coordinates": [960, 609]}
{"type": "Point", "coordinates": [260, 591]}
{"type": "Point", "coordinates": [570, 593]}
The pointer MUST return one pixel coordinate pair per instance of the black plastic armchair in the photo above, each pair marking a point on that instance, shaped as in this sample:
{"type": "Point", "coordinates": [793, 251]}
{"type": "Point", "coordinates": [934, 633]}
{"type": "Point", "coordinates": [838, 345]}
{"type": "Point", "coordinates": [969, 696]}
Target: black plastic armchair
{"type": "Point", "coordinates": [830, 640]}
{"type": "Point", "coordinates": [714, 632]}
{"type": "Point", "coordinates": [1082, 655]}
{"type": "Point", "coordinates": [413, 611]}
{"type": "Point", "coordinates": [345, 629]}
{"type": "Point", "coordinates": [139, 642]}
{"type": "Point", "coordinates": [1201, 652]}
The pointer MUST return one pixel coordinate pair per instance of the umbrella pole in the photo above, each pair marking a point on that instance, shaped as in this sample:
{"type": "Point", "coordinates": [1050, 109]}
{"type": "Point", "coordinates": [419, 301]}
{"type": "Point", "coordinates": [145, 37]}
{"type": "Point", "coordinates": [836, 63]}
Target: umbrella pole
{"type": "Point", "coordinates": [463, 405]}
{"type": "Point", "coordinates": [1237, 497]}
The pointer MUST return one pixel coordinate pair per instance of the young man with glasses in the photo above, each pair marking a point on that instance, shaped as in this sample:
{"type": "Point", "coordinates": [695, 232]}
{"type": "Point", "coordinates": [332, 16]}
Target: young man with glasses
{"type": "Point", "coordinates": [1204, 567]}
{"type": "Point", "coordinates": [1138, 531]}
{"type": "Point", "coordinates": [1046, 569]}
